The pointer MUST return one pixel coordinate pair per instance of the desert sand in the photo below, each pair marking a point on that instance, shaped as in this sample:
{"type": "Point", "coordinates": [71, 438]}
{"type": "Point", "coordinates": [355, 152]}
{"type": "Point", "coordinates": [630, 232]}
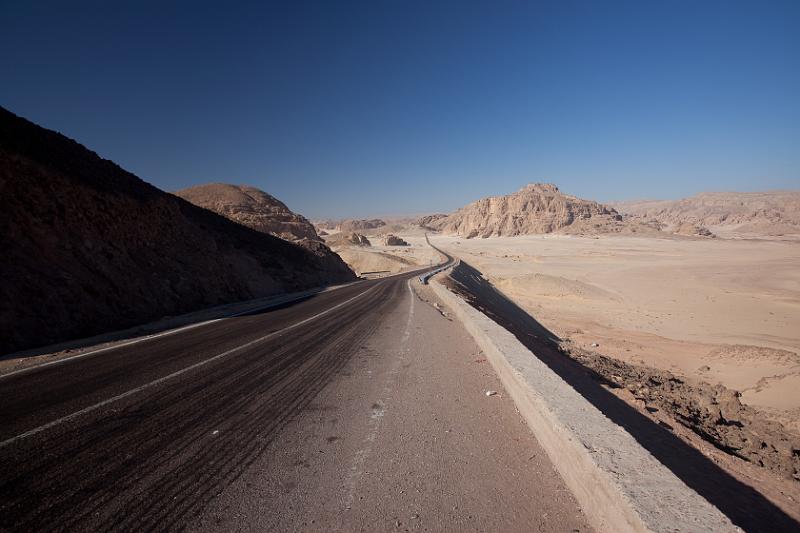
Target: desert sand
{"type": "Point", "coordinates": [381, 259]}
{"type": "Point", "coordinates": [714, 310]}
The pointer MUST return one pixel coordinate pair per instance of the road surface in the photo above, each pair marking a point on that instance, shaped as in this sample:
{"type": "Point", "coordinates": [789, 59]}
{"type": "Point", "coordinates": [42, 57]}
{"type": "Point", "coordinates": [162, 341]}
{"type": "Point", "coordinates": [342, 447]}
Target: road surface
{"type": "Point", "coordinates": [358, 409]}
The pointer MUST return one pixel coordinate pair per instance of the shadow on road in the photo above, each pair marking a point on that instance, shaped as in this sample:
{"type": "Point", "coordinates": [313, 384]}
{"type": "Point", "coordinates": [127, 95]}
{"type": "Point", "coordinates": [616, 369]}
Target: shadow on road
{"type": "Point", "coordinates": [745, 507]}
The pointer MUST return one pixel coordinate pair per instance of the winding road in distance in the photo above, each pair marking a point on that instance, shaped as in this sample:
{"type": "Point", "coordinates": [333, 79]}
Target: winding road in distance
{"type": "Point", "coordinates": [360, 408]}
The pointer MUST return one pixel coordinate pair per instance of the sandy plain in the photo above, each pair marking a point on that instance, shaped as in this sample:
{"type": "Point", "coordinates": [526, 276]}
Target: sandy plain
{"type": "Point", "coordinates": [715, 310]}
{"type": "Point", "coordinates": [379, 260]}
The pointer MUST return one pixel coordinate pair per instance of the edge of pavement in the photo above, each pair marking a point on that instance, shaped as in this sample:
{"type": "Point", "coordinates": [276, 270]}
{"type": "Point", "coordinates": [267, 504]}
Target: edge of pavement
{"type": "Point", "coordinates": [620, 486]}
{"type": "Point", "coordinates": [77, 348]}
{"type": "Point", "coordinates": [27, 360]}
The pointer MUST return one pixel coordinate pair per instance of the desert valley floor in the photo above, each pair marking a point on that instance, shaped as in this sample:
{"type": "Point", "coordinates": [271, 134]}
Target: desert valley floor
{"type": "Point", "coordinates": [718, 310]}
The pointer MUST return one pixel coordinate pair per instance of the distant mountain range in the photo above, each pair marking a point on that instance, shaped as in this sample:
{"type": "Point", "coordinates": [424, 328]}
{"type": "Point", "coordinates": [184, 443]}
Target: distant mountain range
{"type": "Point", "coordinates": [542, 208]}
{"type": "Point", "coordinates": [767, 213]}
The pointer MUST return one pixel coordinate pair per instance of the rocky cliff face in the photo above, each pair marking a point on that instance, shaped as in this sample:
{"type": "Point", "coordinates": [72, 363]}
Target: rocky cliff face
{"type": "Point", "coordinates": [770, 213]}
{"type": "Point", "coordinates": [251, 207]}
{"type": "Point", "coordinates": [88, 247]}
{"type": "Point", "coordinates": [536, 208]}
{"type": "Point", "coordinates": [429, 221]}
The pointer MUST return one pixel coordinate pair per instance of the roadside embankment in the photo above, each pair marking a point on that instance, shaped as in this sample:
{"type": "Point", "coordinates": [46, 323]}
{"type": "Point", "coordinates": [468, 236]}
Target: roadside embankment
{"type": "Point", "coordinates": [628, 473]}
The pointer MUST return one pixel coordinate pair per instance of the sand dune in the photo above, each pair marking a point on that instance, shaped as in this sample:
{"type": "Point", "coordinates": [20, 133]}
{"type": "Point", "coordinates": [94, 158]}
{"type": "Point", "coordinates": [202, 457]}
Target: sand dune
{"type": "Point", "coordinates": [385, 258]}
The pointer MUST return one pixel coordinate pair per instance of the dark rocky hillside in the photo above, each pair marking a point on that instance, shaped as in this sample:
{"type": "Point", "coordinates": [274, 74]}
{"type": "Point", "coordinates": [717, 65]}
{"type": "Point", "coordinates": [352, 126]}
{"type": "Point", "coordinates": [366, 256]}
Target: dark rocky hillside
{"type": "Point", "coordinates": [89, 247]}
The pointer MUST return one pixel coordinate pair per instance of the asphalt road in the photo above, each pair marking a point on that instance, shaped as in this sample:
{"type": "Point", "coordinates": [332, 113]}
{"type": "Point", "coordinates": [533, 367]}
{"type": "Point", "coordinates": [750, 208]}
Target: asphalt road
{"type": "Point", "coordinates": [302, 417]}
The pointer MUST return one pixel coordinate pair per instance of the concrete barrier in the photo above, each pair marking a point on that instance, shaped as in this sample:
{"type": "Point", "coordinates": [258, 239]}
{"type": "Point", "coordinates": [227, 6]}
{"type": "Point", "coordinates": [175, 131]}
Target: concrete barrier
{"type": "Point", "coordinates": [428, 275]}
{"type": "Point", "coordinates": [450, 263]}
{"type": "Point", "coordinates": [620, 486]}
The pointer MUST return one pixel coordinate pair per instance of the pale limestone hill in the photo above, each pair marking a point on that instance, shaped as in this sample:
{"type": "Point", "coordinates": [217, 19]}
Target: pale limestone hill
{"type": "Point", "coordinates": [536, 208]}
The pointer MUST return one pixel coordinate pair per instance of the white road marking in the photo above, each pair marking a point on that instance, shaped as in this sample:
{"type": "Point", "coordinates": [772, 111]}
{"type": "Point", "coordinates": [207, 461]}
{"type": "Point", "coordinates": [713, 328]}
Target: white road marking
{"type": "Point", "coordinates": [108, 348]}
{"type": "Point", "coordinates": [407, 332]}
{"type": "Point", "coordinates": [158, 381]}
{"type": "Point", "coordinates": [157, 335]}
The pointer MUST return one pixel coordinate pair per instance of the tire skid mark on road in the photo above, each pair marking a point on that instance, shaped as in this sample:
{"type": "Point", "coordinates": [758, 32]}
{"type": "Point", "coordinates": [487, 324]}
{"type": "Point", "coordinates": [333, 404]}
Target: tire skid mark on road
{"type": "Point", "coordinates": [175, 374]}
{"type": "Point", "coordinates": [116, 344]}
{"type": "Point", "coordinates": [292, 396]}
{"type": "Point", "coordinates": [188, 426]}
{"type": "Point", "coordinates": [249, 399]}
{"type": "Point", "coordinates": [77, 389]}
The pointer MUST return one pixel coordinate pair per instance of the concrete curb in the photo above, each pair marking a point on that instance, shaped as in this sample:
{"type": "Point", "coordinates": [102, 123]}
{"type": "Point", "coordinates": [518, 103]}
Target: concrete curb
{"type": "Point", "coordinates": [620, 486]}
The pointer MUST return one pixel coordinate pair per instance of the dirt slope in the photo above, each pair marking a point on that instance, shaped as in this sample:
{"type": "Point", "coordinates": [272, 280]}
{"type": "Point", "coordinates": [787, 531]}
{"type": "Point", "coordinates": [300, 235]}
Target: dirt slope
{"type": "Point", "coordinates": [88, 247]}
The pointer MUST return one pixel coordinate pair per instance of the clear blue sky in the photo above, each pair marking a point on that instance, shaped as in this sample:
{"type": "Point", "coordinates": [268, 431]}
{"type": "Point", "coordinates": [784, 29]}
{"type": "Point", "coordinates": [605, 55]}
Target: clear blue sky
{"type": "Point", "coordinates": [395, 107]}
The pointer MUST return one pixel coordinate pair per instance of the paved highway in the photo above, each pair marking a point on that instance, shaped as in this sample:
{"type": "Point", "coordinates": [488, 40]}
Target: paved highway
{"type": "Point", "coordinates": [361, 408]}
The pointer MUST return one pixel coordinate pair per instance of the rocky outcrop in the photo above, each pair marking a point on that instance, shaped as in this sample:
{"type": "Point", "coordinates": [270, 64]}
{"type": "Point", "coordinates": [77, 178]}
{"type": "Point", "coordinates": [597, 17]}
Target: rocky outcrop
{"type": "Point", "coordinates": [88, 247]}
{"type": "Point", "coordinates": [251, 207]}
{"type": "Point", "coordinates": [394, 240]}
{"type": "Point", "coordinates": [770, 213]}
{"type": "Point", "coordinates": [536, 208]}
{"type": "Point", "coordinates": [347, 239]}
{"type": "Point", "coordinates": [429, 221]}
{"type": "Point", "coordinates": [693, 230]}
{"type": "Point", "coordinates": [325, 224]}
{"type": "Point", "coordinates": [346, 226]}
{"type": "Point", "coordinates": [262, 212]}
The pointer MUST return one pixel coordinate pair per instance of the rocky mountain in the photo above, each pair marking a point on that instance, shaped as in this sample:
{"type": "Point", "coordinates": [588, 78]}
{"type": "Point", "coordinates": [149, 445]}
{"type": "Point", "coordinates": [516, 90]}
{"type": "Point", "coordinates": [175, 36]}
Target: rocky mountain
{"type": "Point", "coordinates": [771, 213]}
{"type": "Point", "coordinates": [536, 208]}
{"type": "Point", "coordinates": [359, 225]}
{"type": "Point", "coordinates": [393, 240]}
{"type": "Point", "coordinates": [251, 207]}
{"type": "Point", "coordinates": [89, 247]}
